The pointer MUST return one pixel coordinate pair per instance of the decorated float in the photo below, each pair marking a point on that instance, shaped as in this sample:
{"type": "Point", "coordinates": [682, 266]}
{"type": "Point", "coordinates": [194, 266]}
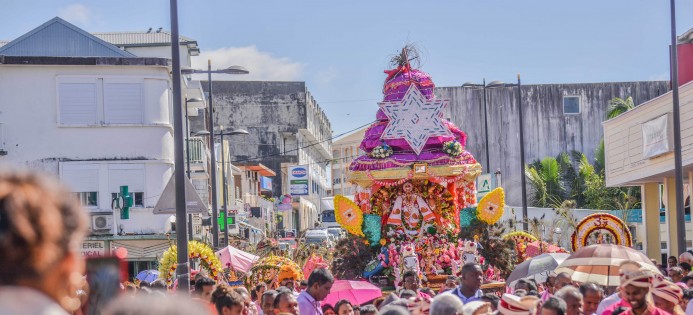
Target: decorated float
{"type": "Point", "coordinates": [197, 252]}
{"type": "Point", "coordinates": [415, 206]}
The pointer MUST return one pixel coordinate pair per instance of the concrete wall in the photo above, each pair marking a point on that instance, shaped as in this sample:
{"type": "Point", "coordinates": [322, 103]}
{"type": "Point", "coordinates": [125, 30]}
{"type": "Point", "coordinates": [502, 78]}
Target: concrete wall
{"type": "Point", "coordinates": [548, 131]}
{"type": "Point", "coordinates": [272, 112]}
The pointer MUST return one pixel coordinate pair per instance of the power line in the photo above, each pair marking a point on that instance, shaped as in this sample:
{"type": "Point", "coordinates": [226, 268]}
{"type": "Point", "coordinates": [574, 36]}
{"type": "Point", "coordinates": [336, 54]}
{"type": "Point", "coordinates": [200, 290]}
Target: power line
{"type": "Point", "coordinates": [308, 146]}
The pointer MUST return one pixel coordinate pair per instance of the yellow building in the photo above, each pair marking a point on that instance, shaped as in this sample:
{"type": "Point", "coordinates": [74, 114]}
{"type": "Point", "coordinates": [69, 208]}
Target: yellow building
{"type": "Point", "coordinates": [639, 151]}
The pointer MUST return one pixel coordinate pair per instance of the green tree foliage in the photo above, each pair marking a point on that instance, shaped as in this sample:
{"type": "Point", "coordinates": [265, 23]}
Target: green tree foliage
{"type": "Point", "coordinates": [618, 106]}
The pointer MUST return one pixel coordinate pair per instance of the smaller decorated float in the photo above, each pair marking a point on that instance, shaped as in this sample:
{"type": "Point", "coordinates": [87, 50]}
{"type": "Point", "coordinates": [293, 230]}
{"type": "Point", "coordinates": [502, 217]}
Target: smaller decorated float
{"type": "Point", "coordinates": [199, 253]}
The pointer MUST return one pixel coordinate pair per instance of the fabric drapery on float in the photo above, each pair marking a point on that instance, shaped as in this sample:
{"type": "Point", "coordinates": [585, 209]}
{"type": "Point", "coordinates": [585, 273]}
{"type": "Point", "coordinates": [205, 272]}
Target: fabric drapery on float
{"type": "Point", "coordinates": [237, 259]}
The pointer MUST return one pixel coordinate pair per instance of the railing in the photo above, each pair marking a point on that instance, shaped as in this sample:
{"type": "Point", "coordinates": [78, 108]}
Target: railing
{"type": "Point", "coordinates": [198, 150]}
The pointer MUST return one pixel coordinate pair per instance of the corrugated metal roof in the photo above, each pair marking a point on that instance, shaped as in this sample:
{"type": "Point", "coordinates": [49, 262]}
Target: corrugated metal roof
{"type": "Point", "coordinates": [58, 38]}
{"type": "Point", "coordinates": [142, 38]}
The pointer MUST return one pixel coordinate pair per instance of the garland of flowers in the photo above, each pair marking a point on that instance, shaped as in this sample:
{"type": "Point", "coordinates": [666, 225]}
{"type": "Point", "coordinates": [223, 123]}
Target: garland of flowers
{"type": "Point", "coordinates": [209, 261]}
{"type": "Point", "coordinates": [520, 237]}
{"type": "Point", "coordinates": [273, 269]}
{"type": "Point", "coordinates": [601, 221]}
{"type": "Point", "coordinates": [382, 151]}
{"type": "Point", "coordinates": [409, 176]}
{"type": "Point", "coordinates": [453, 148]}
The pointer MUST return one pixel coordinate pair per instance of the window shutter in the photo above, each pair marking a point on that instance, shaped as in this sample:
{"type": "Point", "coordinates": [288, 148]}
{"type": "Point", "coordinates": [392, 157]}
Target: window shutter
{"type": "Point", "coordinates": [123, 101]}
{"type": "Point", "coordinates": [81, 178]}
{"type": "Point", "coordinates": [77, 102]}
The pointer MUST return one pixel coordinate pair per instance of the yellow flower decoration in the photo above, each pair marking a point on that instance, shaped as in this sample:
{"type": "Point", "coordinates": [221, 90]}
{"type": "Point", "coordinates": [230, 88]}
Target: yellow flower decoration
{"type": "Point", "coordinates": [348, 215]}
{"type": "Point", "coordinates": [520, 237]}
{"type": "Point", "coordinates": [273, 268]}
{"type": "Point", "coordinates": [196, 250]}
{"type": "Point", "coordinates": [491, 207]}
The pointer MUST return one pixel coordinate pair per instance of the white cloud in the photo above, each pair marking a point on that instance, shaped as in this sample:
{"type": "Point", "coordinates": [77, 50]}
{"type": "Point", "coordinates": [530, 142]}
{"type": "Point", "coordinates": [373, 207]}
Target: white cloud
{"type": "Point", "coordinates": [77, 14]}
{"type": "Point", "coordinates": [262, 65]}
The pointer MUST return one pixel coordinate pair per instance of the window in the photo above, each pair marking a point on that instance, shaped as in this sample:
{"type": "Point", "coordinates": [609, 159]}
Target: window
{"type": "Point", "coordinates": [123, 103]}
{"type": "Point", "coordinates": [571, 104]}
{"type": "Point", "coordinates": [92, 101]}
{"type": "Point", "coordinates": [88, 198]}
{"type": "Point", "coordinates": [663, 245]}
{"type": "Point", "coordinates": [137, 198]}
{"type": "Point", "coordinates": [78, 101]}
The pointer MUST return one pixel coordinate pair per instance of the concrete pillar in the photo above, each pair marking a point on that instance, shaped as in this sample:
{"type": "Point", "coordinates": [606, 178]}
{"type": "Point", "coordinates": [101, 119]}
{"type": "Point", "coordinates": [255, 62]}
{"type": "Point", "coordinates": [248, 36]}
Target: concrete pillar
{"type": "Point", "coordinates": [650, 208]}
{"type": "Point", "coordinates": [670, 191]}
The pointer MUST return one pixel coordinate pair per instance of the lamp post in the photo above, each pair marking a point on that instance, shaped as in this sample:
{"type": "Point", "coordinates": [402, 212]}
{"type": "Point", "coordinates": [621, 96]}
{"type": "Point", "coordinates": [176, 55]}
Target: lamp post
{"type": "Point", "coordinates": [210, 124]}
{"type": "Point", "coordinates": [522, 143]}
{"type": "Point", "coordinates": [183, 272]}
{"type": "Point", "coordinates": [483, 87]}
{"type": "Point", "coordinates": [223, 180]}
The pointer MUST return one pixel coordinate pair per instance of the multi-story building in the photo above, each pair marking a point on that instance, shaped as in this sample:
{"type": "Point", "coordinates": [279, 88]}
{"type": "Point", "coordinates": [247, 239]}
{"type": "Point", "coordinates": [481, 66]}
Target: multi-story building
{"type": "Point", "coordinates": [98, 117]}
{"type": "Point", "coordinates": [344, 150]}
{"type": "Point", "coordinates": [287, 128]}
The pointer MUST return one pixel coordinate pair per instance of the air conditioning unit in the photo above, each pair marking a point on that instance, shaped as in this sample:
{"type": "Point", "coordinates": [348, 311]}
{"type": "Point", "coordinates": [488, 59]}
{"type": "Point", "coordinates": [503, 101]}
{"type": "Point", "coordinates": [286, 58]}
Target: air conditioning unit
{"type": "Point", "coordinates": [102, 223]}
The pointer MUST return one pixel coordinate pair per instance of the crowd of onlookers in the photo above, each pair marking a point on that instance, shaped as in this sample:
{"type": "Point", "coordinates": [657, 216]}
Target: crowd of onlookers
{"type": "Point", "coordinates": [41, 272]}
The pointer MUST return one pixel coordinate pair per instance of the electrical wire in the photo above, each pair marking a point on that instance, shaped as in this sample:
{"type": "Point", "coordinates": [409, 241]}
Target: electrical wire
{"type": "Point", "coordinates": [308, 146]}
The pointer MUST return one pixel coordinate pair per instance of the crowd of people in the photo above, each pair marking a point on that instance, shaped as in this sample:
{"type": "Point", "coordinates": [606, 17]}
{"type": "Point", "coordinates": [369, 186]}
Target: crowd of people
{"type": "Point", "coordinates": [42, 272]}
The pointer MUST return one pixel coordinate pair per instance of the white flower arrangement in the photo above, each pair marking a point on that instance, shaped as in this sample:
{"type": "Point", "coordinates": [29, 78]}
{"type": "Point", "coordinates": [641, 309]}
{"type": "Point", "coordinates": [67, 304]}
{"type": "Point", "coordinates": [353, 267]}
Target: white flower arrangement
{"type": "Point", "coordinates": [452, 148]}
{"type": "Point", "coordinates": [381, 151]}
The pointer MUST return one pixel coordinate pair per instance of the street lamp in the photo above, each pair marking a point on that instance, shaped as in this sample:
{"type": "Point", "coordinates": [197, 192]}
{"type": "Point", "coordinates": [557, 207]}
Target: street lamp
{"type": "Point", "coordinates": [223, 181]}
{"type": "Point", "coordinates": [495, 84]}
{"type": "Point", "coordinates": [210, 124]}
{"type": "Point", "coordinates": [483, 87]}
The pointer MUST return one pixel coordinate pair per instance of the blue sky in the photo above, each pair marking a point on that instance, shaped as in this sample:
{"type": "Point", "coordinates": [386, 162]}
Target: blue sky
{"type": "Point", "coordinates": [340, 48]}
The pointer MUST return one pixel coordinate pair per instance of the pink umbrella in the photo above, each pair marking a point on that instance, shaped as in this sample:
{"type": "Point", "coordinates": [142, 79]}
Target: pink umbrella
{"type": "Point", "coordinates": [357, 292]}
{"type": "Point", "coordinates": [237, 259]}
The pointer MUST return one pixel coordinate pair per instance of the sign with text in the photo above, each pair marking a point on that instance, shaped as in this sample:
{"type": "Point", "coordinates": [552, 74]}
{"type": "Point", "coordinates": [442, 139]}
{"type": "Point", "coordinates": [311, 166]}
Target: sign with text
{"type": "Point", "coordinates": [484, 184]}
{"type": "Point", "coordinates": [298, 180]}
{"type": "Point", "coordinates": [655, 137]}
{"type": "Point", "coordinates": [93, 248]}
{"type": "Point", "coordinates": [265, 183]}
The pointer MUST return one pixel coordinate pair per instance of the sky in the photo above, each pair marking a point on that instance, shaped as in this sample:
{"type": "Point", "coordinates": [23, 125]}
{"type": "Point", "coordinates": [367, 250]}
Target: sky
{"type": "Point", "coordinates": [340, 48]}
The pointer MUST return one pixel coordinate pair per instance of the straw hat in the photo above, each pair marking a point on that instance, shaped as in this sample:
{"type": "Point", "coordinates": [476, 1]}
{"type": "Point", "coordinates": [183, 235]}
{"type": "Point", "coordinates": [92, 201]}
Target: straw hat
{"type": "Point", "coordinates": [515, 305]}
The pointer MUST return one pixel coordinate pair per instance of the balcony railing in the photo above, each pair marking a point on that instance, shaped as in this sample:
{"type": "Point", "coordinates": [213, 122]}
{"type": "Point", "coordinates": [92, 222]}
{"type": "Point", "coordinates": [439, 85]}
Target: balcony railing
{"type": "Point", "coordinates": [198, 150]}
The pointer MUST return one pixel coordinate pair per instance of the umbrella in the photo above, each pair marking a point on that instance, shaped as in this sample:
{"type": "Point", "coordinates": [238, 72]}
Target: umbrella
{"type": "Point", "coordinates": [147, 275]}
{"type": "Point", "coordinates": [537, 267]}
{"type": "Point", "coordinates": [600, 263]}
{"type": "Point", "coordinates": [357, 292]}
{"type": "Point", "coordinates": [236, 258]}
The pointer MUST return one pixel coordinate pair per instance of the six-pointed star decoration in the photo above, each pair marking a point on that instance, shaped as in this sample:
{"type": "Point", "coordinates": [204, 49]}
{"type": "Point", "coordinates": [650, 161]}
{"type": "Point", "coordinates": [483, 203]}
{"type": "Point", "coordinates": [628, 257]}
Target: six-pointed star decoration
{"type": "Point", "coordinates": [415, 119]}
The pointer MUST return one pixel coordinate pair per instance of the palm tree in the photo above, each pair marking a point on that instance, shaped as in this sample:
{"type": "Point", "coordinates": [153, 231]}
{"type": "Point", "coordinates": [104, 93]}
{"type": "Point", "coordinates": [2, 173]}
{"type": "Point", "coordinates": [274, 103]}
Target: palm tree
{"type": "Point", "coordinates": [618, 106]}
{"type": "Point", "coordinates": [545, 178]}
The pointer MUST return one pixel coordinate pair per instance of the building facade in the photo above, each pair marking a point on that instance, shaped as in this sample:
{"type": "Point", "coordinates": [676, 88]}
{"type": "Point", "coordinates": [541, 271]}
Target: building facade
{"type": "Point", "coordinates": [98, 117]}
{"type": "Point", "coordinates": [344, 150]}
{"type": "Point", "coordinates": [286, 128]}
{"type": "Point", "coordinates": [557, 118]}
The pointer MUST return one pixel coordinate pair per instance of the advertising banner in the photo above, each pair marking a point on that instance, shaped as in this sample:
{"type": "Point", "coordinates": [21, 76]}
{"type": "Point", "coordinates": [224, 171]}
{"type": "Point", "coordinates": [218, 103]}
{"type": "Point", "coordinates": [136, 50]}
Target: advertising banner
{"type": "Point", "coordinates": [298, 180]}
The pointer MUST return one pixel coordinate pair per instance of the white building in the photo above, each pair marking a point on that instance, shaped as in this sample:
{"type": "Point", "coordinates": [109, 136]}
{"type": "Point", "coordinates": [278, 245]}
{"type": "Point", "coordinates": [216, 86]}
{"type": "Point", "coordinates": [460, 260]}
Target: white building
{"type": "Point", "coordinates": [344, 150]}
{"type": "Point", "coordinates": [98, 117]}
